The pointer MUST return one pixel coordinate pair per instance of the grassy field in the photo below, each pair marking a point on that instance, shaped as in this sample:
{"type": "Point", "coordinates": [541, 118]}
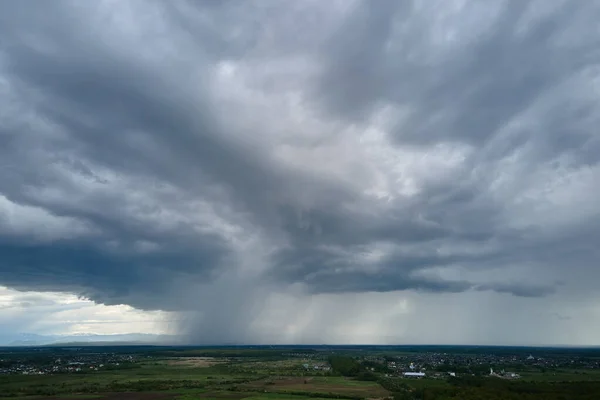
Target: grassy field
{"type": "Point", "coordinates": [161, 376]}
{"type": "Point", "coordinates": [315, 385]}
{"type": "Point", "coordinates": [188, 379]}
{"type": "Point", "coordinates": [261, 375]}
{"type": "Point", "coordinates": [426, 383]}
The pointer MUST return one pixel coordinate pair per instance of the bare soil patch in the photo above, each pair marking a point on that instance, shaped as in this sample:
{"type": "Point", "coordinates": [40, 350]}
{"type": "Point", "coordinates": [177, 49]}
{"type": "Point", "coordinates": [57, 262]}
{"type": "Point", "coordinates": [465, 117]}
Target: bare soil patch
{"type": "Point", "coordinates": [195, 362]}
{"type": "Point", "coordinates": [309, 385]}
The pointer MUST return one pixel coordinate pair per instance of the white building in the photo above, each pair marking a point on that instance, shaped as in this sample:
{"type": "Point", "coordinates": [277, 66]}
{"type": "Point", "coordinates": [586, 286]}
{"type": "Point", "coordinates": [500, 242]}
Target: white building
{"type": "Point", "coordinates": [414, 374]}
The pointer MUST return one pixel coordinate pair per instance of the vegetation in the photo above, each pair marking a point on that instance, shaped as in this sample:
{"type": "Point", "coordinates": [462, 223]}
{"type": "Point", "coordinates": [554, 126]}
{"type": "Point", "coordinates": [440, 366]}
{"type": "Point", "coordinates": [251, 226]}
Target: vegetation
{"type": "Point", "coordinates": [288, 373]}
{"type": "Point", "coordinates": [345, 365]}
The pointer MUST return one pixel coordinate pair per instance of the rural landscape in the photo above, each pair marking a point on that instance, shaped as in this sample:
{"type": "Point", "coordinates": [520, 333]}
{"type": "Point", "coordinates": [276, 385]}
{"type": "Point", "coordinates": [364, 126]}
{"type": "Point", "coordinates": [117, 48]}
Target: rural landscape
{"type": "Point", "coordinates": [299, 200]}
{"type": "Point", "coordinates": [298, 373]}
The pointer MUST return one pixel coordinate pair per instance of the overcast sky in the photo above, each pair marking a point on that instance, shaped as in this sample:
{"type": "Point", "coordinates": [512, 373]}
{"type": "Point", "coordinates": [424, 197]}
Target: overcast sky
{"type": "Point", "coordinates": [302, 172]}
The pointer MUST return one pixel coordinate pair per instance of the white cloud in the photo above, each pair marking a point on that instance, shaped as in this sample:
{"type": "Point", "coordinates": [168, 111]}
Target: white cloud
{"type": "Point", "coordinates": [50, 313]}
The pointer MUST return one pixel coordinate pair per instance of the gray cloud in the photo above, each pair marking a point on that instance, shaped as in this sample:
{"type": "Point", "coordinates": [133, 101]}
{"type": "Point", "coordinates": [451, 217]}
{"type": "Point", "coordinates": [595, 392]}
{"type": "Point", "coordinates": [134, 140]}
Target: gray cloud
{"type": "Point", "coordinates": [160, 154]}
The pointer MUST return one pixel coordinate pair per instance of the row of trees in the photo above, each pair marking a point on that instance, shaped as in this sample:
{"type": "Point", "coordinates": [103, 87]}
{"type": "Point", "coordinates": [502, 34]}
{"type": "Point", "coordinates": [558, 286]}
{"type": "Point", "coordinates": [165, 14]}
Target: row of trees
{"type": "Point", "coordinates": [474, 388]}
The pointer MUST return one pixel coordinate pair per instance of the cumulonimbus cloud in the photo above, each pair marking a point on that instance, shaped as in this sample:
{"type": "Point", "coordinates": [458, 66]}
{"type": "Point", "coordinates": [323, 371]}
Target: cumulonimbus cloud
{"type": "Point", "coordinates": [148, 147]}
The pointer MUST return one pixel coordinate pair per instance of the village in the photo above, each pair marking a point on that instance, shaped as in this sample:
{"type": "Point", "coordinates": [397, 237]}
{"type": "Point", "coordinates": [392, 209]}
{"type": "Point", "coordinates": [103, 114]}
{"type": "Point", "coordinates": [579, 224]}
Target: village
{"type": "Point", "coordinates": [443, 365]}
{"type": "Point", "coordinates": [76, 363]}
{"type": "Point", "coordinates": [413, 365]}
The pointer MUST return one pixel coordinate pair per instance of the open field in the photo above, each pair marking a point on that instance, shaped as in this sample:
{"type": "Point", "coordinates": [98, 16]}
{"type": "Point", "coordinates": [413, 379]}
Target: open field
{"type": "Point", "coordinates": [334, 385]}
{"type": "Point", "coordinates": [291, 374]}
{"type": "Point", "coordinates": [113, 396]}
{"type": "Point", "coordinates": [207, 381]}
{"type": "Point", "coordinates": [195, 362]}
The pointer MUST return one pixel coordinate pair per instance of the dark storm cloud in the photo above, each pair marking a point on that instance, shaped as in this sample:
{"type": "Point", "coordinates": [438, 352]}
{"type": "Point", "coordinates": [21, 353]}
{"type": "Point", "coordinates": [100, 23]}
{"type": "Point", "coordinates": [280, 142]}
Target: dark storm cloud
{"type": "Point", "coordinates": [136, 279]}
{"type": "Point", "coordinates": [131, 174]}
{"type": "Point", "coordinates": [469, 93]}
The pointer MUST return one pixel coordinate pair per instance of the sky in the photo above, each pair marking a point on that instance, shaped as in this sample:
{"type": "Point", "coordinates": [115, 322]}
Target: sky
{"type": "Point", "coordinates": [338, 171]}
{"type": "Point", "coordinates": [44, 315]}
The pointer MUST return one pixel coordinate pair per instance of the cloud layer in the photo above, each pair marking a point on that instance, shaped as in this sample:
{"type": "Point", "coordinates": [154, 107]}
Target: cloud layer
{"type": "Point", "coordinates": [50, 317]}
{"type": "Point", "coordinates": [210, 157]}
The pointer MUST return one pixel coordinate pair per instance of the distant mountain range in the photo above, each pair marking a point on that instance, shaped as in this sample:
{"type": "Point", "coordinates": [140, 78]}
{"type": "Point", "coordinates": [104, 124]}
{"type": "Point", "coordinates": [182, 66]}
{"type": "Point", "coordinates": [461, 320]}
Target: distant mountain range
{"type": "Point", "coordinates": [32, 339]}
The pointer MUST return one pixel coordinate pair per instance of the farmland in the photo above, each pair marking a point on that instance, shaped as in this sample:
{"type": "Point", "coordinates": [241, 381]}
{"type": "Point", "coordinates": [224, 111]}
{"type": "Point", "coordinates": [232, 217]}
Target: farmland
{"type": "Point", "coordinates": [266, 373]}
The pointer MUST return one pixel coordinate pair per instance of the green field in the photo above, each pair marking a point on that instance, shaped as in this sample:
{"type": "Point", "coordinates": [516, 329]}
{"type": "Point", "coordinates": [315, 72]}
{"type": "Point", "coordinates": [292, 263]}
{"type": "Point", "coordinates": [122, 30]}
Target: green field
{"type": "Point", "coordinates": [259, 374]}
{"type": "Point", "coordinates": [187, 382]}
